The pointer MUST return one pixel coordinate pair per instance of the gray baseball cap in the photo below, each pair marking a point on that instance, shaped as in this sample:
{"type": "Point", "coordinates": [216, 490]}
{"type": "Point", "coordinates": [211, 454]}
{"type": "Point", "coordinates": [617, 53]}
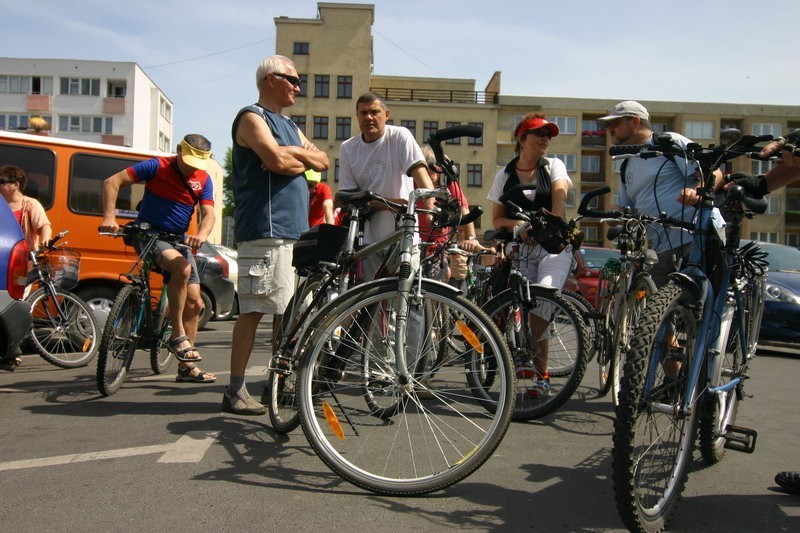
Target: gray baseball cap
{"type": "Point", "coordinates": [628, 108]}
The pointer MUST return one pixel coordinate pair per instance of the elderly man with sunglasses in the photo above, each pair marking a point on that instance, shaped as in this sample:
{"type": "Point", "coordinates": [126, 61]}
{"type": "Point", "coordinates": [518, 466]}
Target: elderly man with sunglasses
{"type": "Point", "coordinates": [270, 157]}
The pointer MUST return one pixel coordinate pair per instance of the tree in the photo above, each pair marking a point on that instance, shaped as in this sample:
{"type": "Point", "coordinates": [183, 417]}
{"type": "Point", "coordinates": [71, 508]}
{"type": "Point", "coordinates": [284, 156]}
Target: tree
{"type": "Point", "coordinates": [227, 185]}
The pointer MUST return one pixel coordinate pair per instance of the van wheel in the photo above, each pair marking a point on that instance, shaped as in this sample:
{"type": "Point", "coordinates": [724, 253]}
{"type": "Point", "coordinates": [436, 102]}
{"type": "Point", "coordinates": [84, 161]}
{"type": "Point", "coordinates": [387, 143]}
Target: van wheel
{"type": "Point", "coordinates": [208, 310]}
{"type": "Point", "coordinates": [99, 299]}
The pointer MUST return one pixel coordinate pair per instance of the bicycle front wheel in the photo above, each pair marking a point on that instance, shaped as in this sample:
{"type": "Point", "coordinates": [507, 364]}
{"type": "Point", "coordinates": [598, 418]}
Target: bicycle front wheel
{"type": "Point", "coordinates": [400, 434]}
{"type": "Point", "coordinates": [655, 423]}
{"type": "Point", "coordinates": [560, 340]}
{"type": "Point", "coordinates": [118, 342]}
{"type": "Point", "coordinates": [160, 356]}
{"type": "Point", "coordinates": [63, 330]}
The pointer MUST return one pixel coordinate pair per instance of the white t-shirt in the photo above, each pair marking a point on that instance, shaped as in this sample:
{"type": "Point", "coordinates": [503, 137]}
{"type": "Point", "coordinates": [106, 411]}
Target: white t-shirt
{"type": "Point", "coordinates": [556, 167]}
{"type": "Point", "coordinates": [382, 167]}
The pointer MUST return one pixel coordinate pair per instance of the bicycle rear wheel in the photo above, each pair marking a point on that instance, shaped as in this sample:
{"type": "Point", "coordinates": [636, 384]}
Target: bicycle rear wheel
{"type": "Point", "coordinates": [564, 338]}
{"type": "Point", "coordinates": [653, 433]}
{"type": "Point", "coordinates": [160, 356]}
{"type": "Point", "coordinates": [63, 330]}
{"type": "Point", "coordinates": [118, 342]}
{"type": "Point", "coordinates": [419, 437]}
{"type": "Point", "coordinates": [281, 399]}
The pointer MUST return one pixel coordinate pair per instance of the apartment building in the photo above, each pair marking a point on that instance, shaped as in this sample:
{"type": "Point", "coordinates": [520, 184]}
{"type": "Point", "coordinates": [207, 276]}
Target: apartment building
{"type": "Point", "coordinates": [97, 101]}
{"type": "Point", "coordinates": [334, 55]}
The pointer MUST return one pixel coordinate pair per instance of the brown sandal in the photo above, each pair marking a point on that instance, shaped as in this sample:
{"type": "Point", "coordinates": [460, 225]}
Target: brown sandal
{"type": "Point", "coordinates": [180, 355]}
{"type": "Point", "coordinates": [186, 374]}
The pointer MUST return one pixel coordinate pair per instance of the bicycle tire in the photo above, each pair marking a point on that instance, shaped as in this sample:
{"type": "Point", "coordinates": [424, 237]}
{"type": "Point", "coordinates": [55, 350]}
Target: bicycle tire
{"type": "Point", "coordinates": [281, 398]}
{"type": "Point", "coordinates": [629, 314]}
{"type": "Point", "coordinates": [567, 348]}
{"type": "Point", "coordinates": [65, 334]}
{"type": "Point", "coordinates": [160, 357]}
{"type": "Point", "coordinates": [650, 431]}
{"type": "Point", "coordinates": [439, 434]}
{"type": "Point", "coordinates": [590, 317]}
{"type": "Point", "coordinates": [118, 343]}
{"type": "Point", "coordinates": [604, 338]}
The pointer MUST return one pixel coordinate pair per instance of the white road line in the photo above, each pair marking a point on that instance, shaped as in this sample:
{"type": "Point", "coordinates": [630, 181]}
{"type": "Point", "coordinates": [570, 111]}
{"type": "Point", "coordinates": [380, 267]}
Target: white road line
{"type": "Point", "coordinates": [190, 448]}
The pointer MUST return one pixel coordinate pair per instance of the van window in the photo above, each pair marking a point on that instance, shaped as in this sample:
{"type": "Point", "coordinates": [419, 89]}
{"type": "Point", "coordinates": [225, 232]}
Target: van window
{"type": "Point", "coordinates": [39, 164]}
{"type": "Point", "coordinates": [87, 173]}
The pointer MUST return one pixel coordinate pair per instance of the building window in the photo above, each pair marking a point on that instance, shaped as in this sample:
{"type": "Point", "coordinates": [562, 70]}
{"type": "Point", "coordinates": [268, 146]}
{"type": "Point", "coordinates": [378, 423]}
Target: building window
{"type": "Point", "coordinates": [594, 203]}
{"type": "Point", "coordinates": [429, 127]}
{"type": "Point", "coordinates": [301, 49]}
{"type": "Point", "coordinates": [84, 124]}
{"type": "Point", "coordinates": [343, 127]}
{"type": "Point", "coordinates": [116, 89]}
{"type": "Point", "coordinates": [14, 122]}
{"type": "Point", "coordinates": [568, 159]}
{"type": "Point", "coordinates": [81, 86]}
{"type": "Point", "coordinates": [344, 86]}
{"type": "Point", "coordinates": [566, 125]}
{"type": "Point", "coordinates": [300, 122]}
{"type": "Point", "coordinates": [26, 84]}
{"type": "Point", "coordinates": [336, 170]}
{"type": "Point", "coordinates": [570, 201]}
{"type": "Point", "coordinates": [163, 142]}
{"type": "Point", "coordinates": [760, 167]}
{"type": "Point", "coordinates": [411, 125]}
{"type": "Point", "coordinates": [303, 85]}
{"type": "Point", "coordinates": [699, 129]}
{"type": "Point", "coordinates": [457, 140]}
{"type": "Point", "coordinates": [774, 205]}
{"type": "Point", "coordinates": [475, 141]}
{"type": "Point", "coordinates": [474, 175]}
{"type": "Point", "coordinates": [320, 127]}
{"type": "Point", "coordinates": [165, 109]}
{"type": "Point", "coordinates": [590, 234]}
{"type": "Point", "coordinates": [659, 127]}
{"type": "Point", "coordinates": [322, 86]}
{"type": "Point", "coordinates": [590, 163]}
{"type": "Point", "coordinates": [767, 129]}
{"type": "Point", "coordinates": [764, 236]}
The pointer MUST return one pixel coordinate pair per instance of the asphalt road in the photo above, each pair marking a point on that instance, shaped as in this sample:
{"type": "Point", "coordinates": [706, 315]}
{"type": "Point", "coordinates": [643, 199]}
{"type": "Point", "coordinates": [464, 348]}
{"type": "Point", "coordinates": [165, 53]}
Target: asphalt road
{"type": "Point", "coordinates": [160, 456]}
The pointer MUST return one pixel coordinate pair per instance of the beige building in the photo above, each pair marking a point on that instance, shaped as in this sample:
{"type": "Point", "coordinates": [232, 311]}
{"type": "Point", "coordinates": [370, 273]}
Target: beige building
{"type": "Point", "coordinates": [333, 53]}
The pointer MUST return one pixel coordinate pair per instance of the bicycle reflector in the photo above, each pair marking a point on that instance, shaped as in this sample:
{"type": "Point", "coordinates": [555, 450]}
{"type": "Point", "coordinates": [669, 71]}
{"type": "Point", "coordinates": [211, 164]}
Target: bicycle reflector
{"type": "Point", "coordinates": [470, 337]}
{"type": "Point", "coordinates": [333, 421]}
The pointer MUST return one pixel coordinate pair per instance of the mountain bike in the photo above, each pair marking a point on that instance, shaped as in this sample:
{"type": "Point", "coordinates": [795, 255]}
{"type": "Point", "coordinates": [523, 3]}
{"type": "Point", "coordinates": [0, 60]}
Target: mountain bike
{"type": "Point", "coordinates": [537, 321]}
{"type": "Point", "coordinates": [363, 406]}
{"type": "Point", "coordinates": [625, 289]}
{"type": "Point", "coordinates": [63, 330]}
{"type": "Point", "coordinates": [137, 320]}
{"type": "Point", "coordinates": [690, 355]}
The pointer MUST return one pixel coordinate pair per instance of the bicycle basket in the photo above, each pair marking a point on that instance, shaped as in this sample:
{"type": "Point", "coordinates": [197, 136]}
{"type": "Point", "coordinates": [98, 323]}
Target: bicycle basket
{"type": "Point", "coordinates": [65, 266]}
{"type": "Point", "coordinates": [320, 243]}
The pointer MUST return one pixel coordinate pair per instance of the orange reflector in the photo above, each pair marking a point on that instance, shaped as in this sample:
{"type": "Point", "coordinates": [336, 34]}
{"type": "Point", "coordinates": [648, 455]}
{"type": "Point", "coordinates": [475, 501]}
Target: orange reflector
{"type": "Point", "coordinates": [471, 338]}
{"type": "Point", "coordinates": [86, 344]}
{"type": "Point", "coordinates": [333, 421]}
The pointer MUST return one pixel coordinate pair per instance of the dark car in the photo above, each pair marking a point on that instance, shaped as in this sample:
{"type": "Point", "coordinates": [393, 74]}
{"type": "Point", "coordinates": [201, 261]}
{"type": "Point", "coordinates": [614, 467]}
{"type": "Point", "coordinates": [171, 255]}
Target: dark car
{"type": "Point", "coordinates": [217, 286]}
{"type": "Point", "coordinates": [15, 315]}
{"type": "Point", "coordinates": [780, 327]}
{"type": "Point", "coordinates": [589, 261]}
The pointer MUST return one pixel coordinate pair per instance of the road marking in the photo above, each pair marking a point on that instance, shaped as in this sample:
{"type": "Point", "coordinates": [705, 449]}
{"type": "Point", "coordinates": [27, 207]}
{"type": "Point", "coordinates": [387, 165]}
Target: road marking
{"type": "Point", "coordinates": [190, 448]}
{"type": "Point", "coordinates": [255, 370]}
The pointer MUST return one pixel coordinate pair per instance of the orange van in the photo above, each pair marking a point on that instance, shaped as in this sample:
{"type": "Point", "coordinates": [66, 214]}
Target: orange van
{"type": "Point", "coordinates": [67, 178]}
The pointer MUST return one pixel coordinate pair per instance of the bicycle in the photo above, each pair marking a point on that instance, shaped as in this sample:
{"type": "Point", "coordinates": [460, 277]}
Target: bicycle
{"type": "Point", "coordinates": [362, 406]}
{"type": "Point", "coordinates": [63, 329]}
{"type": "Point", "coordinates": [327, 260]}
{"type": "Point", "coordinates": [624, 291]}
{"type": "Point", "coordinates": [136, 320]}
{"type": "Point", "coordinates": [517, 307]}
{"type": "Point", "coordinates": [691, 353]}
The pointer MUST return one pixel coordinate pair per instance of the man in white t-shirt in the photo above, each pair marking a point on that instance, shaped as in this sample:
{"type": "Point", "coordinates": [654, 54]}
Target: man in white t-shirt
{"type": "Point", "coordinates": [384, 159]}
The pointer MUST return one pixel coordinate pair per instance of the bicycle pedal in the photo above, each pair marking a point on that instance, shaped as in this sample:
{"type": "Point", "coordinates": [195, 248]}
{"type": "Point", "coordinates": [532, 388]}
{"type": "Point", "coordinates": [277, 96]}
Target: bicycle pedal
{"type": "Point", "coordinates": [740, 439]}
{"type": "Point", "coordinates": [280, 364]}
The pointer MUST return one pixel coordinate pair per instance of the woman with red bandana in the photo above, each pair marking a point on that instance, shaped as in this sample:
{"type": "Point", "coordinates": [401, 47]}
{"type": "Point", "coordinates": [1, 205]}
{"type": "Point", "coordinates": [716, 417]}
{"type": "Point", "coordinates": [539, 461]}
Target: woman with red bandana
{"type": "Point", "coordinates": [532, 136]}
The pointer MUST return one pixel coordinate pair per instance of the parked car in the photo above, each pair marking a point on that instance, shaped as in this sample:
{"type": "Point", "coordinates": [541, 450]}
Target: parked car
{"type": "Point", "coordinates": [15, 314]}
{"type": "Point", "coordinates": [589, 261]}
{"type": "Point", "coordinates": [217, 287]}
{"type": "Point", "coordinates": [780, 327]}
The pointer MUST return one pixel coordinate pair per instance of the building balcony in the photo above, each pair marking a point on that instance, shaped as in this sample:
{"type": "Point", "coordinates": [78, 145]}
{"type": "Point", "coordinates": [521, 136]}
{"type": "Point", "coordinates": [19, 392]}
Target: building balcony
{"type": "Point", "coordinates": [592, 177]}
{"type": "Point", "coordinates": [114, 106]}
{"type": "Point", "coordinates": [593, 138]}
{"type": "Point", "coordinates": [116, 140]}
{"type": "Point", "coordinates": [39, 102]}
{"type": "Point", "coordinates": [437, 95]}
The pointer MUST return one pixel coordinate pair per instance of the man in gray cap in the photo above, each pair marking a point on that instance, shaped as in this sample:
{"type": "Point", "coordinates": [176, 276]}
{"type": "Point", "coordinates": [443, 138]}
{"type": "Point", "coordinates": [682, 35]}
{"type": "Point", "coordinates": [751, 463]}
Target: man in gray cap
{"type": "Point", "coordinates": [652, 186]}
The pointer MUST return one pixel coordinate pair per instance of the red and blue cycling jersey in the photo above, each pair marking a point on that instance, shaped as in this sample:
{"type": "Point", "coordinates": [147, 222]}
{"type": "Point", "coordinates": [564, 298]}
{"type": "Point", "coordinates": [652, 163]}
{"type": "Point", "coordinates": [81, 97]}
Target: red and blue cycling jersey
{"type": "Point", "coordinates": [167, 204]}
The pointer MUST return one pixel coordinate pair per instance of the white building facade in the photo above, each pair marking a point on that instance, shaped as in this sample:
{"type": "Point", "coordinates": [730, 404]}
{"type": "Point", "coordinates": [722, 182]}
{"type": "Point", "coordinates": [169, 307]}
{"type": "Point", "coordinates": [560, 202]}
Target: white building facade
{"type": "Point", "coordinates": [96, 101]}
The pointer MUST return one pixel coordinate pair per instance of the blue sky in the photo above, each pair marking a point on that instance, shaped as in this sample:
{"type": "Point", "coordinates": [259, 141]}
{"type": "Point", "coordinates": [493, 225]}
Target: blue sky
{"type": "Point", "coordinates": [203, 54]}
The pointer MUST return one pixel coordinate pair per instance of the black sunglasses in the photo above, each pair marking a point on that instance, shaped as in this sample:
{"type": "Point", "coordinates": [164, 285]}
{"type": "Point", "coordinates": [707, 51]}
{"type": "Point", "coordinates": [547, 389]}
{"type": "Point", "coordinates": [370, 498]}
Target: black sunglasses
{"type": "Point", "coordinates": [541, 132]}
{"type": "Point", "coordinates": [294, 80]}
{"type": "Point", "coordinates": [5, 181]}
